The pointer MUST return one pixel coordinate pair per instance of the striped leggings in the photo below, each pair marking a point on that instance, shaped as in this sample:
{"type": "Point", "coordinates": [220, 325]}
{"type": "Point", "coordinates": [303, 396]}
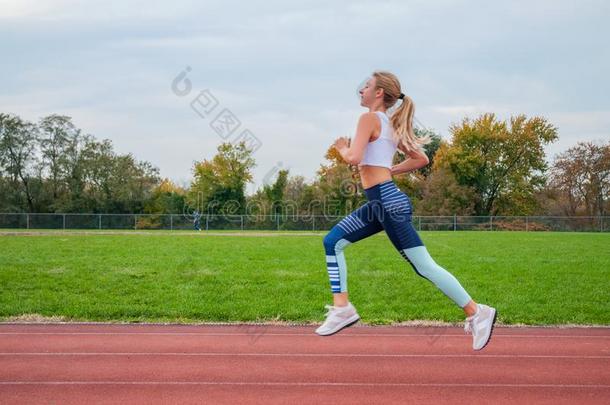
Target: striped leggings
{"type": "Point", "coordinates": [387, 209]}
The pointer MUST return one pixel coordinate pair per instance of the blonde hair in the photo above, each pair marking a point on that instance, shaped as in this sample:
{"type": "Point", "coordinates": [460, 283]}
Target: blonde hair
{"type": "Point", "coordinates": [402, 118]}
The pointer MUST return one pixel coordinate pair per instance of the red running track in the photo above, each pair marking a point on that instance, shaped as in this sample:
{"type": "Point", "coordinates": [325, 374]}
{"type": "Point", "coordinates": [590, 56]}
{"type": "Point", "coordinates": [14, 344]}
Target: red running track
{"type": "Point", "coordinates": [264, 364]}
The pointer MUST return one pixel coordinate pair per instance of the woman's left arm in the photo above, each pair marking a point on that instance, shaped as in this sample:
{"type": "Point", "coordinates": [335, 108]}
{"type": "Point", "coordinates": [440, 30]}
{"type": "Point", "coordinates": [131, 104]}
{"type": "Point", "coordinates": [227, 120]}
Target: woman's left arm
{"type": "Point", "coordinates": [417, 159]}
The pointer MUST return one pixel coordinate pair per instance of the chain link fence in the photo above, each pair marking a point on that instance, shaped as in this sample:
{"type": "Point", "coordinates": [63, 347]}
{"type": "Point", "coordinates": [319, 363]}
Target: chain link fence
{"type": "Point", "coordinates": [294, 222]}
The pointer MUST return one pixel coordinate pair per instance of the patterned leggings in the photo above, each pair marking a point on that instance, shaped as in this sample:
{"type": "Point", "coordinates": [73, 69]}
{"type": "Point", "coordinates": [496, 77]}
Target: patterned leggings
{"type": "Point", "coordinates": [387, 209]}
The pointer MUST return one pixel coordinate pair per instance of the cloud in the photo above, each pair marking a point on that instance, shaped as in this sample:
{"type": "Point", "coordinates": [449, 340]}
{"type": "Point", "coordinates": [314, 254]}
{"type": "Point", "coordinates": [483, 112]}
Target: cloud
{"type": "Point", "coordinates": [289, 71]}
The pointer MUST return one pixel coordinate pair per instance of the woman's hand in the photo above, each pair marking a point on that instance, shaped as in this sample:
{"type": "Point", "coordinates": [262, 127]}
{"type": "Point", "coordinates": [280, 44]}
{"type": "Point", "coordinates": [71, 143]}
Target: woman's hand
{"type": "Point", "coordinates": [341, 142]}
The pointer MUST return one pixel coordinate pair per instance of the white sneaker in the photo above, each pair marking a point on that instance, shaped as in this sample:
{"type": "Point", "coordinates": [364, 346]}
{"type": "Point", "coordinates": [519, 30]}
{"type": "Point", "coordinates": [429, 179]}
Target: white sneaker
{"type": "Point", "coordinates": [481, 325]}
{"type": "Point", "coordinates": [338, 318]}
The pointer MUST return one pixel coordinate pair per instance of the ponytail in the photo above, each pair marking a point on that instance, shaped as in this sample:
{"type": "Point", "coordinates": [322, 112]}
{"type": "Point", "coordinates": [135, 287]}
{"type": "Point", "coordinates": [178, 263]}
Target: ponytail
{"type": "Point", "coordinates": [402, 118]}
{"type": "Point", "coordinates": [402, 122]}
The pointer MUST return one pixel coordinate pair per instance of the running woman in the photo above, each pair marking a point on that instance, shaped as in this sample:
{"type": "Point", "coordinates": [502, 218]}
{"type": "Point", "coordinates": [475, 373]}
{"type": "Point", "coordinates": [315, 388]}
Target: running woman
{"type": "Point", "coordinates": [388, 208]}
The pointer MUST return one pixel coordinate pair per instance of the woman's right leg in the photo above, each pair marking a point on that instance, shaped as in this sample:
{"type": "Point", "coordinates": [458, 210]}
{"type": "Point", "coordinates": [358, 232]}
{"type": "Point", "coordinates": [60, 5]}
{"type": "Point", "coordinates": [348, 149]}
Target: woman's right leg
{"type": "Point", "coordinates": [356, 226]}
{"type": "Point", "coordinates": [361, 223]}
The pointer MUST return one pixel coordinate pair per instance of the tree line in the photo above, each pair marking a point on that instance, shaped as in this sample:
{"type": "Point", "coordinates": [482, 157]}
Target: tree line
{"type": "Point", "coordinates": [488, 167]}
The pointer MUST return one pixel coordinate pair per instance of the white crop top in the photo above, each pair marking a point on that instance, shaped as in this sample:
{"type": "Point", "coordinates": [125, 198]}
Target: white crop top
{"type": "Point", "coordinates": [381, 151]}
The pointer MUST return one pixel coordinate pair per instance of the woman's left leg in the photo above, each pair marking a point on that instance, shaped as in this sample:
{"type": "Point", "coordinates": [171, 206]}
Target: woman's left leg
{"type": "Point", "coordinates": [396, 220]}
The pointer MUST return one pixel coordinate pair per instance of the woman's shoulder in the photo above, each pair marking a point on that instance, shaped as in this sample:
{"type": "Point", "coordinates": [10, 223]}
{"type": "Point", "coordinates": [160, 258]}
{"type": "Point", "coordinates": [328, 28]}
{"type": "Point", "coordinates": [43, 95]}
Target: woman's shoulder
{"type": "Point", "coordinates": [372, 117]}
{"type": "Point", "coordinates": [368, 115]}
{"type": "Point", "coordinates": [369, 119]}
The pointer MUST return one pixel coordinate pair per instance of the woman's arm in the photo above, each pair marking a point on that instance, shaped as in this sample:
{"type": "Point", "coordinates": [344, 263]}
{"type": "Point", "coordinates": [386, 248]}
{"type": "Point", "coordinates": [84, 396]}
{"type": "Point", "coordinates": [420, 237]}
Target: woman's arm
{"type": "Point", "coordinates": [417, 160]}
{"type": "Point", "coordinates": [353, 153]}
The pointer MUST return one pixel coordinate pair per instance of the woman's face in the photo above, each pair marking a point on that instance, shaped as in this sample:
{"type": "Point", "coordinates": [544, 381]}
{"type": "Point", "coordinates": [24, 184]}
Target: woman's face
{"type": "Point", "coordinates": [367, 92]}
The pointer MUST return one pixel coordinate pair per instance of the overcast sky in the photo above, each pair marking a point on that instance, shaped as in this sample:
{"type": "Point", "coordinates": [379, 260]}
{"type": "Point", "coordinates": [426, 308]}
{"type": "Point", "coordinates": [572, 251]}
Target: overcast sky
{"type": "Point", "coordinates": [289, 71]}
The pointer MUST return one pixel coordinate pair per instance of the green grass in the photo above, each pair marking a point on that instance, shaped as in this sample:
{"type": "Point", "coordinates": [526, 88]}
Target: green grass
{"type": "Point", "coordinates": [531, 278]}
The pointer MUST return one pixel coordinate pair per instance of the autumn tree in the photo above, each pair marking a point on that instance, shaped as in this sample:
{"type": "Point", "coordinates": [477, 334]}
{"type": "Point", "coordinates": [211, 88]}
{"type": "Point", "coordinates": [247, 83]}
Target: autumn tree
{"type": "Point", "coordinates": [304, 196]}
{"type": "Point", "coordinates": [338, 184]}
{"type": "Point", "coordinates": [219, 184]}
{"type": "Point", "coordinates": [503, 163]}
{"type": "Point", "coordinates": [166, 198]}
{"type": "Point", "coordinates": [581, 175]}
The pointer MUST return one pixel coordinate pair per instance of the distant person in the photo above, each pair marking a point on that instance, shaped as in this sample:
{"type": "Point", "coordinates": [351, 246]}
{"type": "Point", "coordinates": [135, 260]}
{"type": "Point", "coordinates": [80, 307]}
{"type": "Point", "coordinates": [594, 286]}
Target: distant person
{"type": "Point", "coordinates": [197, 220]}
{"type": "Point", "coordinates": [388, 208]}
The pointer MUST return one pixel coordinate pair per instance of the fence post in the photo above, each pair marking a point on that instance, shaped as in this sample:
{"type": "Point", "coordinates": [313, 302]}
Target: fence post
{"type": "Point", "coordinates": [171, 222]}
{"type": "Point", "coordinates": [99, 219]}
{"type": "Point", "coordinates": [526, 223]}
{"type": "Point", "coordinates": [64, 217]}
{"type": "Point", "coordinates": [491, 223]}
{"type": "Point", "coordinates": [419, 223]}
{"type": "Point", "coordinates": [27, 220]}
{"type": "Point", "coordinates": [313, 223]}
{"type": "Point", "coordinates": [135, 222]}
{"type": "Point", "coordinates": [454, 222]}
{"type": "Point", "coordinates": [601, 223]}
{"type": "Point", "coordinates": [242, 222]}
{"type": "Point", "coordinates": [277, 220]}
{"type": "Point", "coordinates": [206, 222]}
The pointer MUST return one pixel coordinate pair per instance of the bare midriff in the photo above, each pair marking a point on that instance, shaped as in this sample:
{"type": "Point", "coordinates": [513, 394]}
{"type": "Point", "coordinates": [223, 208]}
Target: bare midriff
{"type": "Point", "coordinates": [372, 175]}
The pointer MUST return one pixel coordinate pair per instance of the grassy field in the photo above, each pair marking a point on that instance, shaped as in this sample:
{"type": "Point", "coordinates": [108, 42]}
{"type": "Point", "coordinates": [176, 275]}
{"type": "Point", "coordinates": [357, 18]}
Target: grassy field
{"type": "Point", "coordinates": [531, 278]}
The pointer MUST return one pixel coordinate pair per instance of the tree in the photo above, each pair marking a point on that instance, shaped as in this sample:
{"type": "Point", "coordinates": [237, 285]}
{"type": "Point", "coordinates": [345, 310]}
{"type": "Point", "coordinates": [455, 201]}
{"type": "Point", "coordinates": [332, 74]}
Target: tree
{"type": "Point", "coordinates": [131, 183]}
{"type": "Point", "coordinates": [18, 157]}
{"type": "Point", "coordinates": [76, 200]}
{"type": "Point", "coordinates": [166, 198]}
{"type": "Point", "coordinates": [57, 134]}
{"type": "Point", "coordinates": [275, 192]}
{"type": "Point", "coordinates": [338, 185]}
{"type": "Point", "coordinates": [504, 164]}
{"type": "Point", "coordinates": [114, 183]}
{"type": "Point", "coordinates": [295, 190]}
{"type": "Point", "coordinates": [219, 185]}
{"type": "Point", "coordinates": [582, 176]}
{"type": "Point", "coordinates": [443, 195]}
{"type": "Point", "coordinates": [430, 149]}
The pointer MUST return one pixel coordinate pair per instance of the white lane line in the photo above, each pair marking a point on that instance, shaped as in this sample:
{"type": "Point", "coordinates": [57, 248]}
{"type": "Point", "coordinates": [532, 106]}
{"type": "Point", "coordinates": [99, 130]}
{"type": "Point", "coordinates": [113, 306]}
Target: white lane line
{"type": "Point", "coordinates": [263, 333]}
{"type": "Point", "coordinates": [534, 356]}
{"type": "Point", "coordinates": [331, 384]}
